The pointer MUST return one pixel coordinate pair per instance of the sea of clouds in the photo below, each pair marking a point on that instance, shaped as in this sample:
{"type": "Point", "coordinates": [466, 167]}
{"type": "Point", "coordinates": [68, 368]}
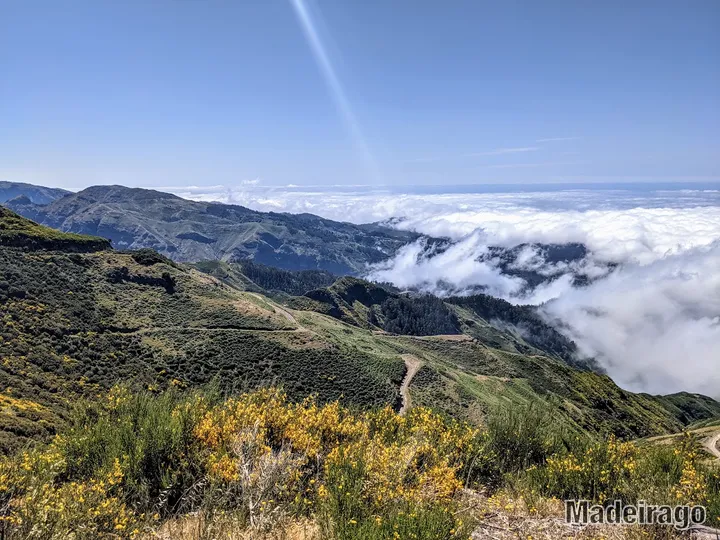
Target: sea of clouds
{"type": "Point", "coordinates": [653, 321]}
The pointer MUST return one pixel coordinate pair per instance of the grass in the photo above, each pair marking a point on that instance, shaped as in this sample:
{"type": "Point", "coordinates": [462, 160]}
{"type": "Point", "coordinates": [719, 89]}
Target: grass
{"type": "Point", "coordinates": [19, 232]}
{"type": "Point", "coordinates": [67, 330]}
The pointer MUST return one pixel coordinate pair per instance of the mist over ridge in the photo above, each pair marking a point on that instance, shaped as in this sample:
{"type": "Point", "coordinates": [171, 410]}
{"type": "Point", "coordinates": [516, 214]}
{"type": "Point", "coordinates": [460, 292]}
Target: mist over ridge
{"type": "Point", "coordinates": [648, 306]}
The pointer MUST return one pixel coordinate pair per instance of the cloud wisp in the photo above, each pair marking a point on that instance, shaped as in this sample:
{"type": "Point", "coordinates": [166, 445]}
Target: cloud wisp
{"type": "Point", "coordinates": [502, 151]}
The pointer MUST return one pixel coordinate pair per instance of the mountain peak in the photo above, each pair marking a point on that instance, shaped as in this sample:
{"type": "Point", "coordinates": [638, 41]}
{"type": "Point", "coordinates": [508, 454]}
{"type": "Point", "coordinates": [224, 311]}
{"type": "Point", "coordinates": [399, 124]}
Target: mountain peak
{"type": "Point", "coordinates": [35, 194]}
{"type": "Point", "coordinates": [117, 193]}
{"type": "Point", "coordinates": [186, 230]}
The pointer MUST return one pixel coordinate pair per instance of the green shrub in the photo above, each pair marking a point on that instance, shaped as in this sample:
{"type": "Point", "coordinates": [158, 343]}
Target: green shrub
{"type": "Point", "coordinates": [149, 435]}
{"type": "Point", "coordinates": [520, 436]}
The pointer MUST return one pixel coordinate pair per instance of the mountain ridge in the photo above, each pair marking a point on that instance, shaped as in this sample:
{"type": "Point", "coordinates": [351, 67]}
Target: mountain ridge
{"type": "Point", "coordinates": [188, 231]}
{"type": "Point", "coordinates": [36, 194]}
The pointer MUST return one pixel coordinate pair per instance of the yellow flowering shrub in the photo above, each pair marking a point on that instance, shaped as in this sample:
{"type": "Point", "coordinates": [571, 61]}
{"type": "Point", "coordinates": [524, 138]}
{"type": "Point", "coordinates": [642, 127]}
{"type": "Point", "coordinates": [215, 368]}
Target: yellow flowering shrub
{"type": "Point", "coordinates": [692, 487]}
{"type": "Point", "coordinates": [308, 427]}
{"type": "Point", "coordinates": [602, 472]}
{"type": "Point", "coordinates": [324, 452]}
{"type": "Point", "coordinates": [609, 470]}
{"type": "Point", "coordinates": [415, 457]}
{"type": "Point", "coordinates": [36, 505]}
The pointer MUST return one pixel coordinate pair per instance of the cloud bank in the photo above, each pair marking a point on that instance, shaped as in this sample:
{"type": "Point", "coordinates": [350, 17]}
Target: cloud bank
{"type": "Point", "coordinates": [655, 327]}
{"type": "Point", "coordinates": [653, 321]}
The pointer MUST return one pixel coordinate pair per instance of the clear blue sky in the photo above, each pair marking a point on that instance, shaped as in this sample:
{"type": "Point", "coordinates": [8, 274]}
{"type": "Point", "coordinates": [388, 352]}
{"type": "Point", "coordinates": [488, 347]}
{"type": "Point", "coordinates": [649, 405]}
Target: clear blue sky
{"type": "Point", "coordinates": [204, 92]}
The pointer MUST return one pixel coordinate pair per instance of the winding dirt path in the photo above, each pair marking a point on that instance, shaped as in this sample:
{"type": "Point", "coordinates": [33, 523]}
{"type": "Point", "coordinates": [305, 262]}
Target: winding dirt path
{"type": "Point", "coordinates": [711, 445]}
{"type": "Point", "coordinates": [280, 311]}
{"type": "Point", "coordinates": [412, 363]}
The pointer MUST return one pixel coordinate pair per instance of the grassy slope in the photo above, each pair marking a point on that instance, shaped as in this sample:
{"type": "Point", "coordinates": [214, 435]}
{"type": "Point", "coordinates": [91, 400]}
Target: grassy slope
{"type": "Point", "coordinates": [73, 324]}
{"type": "Point", "coordinates": [17, 231]}
{"type": "Point", "coordinates": [465, 378]}
{"type": "Point", "coordinates": [68, 330]}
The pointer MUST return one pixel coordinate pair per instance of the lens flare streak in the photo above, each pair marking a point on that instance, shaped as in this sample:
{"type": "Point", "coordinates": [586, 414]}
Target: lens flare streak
{"type": "Point", "coordinates": [335, 86]}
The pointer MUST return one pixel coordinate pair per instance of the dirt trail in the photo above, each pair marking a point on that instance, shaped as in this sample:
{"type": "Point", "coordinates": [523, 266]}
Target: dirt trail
{"type": "Point", "coordinates": [412, 363]}
{"type": "Point", "coordinates": [280, 311]}
{"type": "Point", "coordinates": [711, 445]}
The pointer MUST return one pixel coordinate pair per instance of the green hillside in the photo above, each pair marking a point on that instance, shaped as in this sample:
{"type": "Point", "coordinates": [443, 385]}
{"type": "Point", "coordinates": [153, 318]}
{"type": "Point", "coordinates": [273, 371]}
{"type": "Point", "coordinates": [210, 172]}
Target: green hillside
{"type": "Point", "coordinates": [16, 231]}
{"type": "Point", "coordinates": [77, 320]}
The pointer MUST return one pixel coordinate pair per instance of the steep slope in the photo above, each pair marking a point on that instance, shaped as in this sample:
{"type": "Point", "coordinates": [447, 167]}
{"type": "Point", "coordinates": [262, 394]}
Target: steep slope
{"type": "Point", "coordinates": [479, 363]}
{"type": "Point", "coordinates": [192, 231]}
{"type": "Point", "coordinates": [75, 323]}
{"type": "Point", "coordinates": [249, 275]}
{"type": "Point", "coordinates": [34, 194]}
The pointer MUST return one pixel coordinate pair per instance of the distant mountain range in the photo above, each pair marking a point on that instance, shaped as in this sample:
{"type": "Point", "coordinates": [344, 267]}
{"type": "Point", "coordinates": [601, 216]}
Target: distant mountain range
{"type": "Point", "coordinates": [191, 231]}
{"type": "Point", "coordinates": [36, 194]}
{"type": "Point", "coordinates": [185, 231]}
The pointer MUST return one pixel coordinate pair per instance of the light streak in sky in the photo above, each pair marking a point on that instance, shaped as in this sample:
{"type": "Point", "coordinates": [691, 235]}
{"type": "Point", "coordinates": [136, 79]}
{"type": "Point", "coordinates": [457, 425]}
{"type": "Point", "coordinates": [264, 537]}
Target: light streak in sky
{"type": "Point", "coordinates": [336, 89]}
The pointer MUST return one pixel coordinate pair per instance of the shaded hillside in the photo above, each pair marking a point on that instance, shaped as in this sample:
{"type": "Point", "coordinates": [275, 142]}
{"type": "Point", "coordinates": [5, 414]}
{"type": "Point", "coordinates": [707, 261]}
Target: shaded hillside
{"type": "Point", "coordinates": [192, 231]}
{"type": "Point", "coordinates": [32, 193]}
{"type": "Point", "coordinates": [522, 321]}
{"type": "Point", "coordinates": [491, 320]}
{"type": "Point", "coordinates": [246, 274]}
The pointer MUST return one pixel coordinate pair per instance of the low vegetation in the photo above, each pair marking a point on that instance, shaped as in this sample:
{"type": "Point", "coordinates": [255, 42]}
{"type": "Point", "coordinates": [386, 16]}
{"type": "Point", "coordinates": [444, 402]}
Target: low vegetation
{"type": "Point", "coordinates": [142, 465]}
{"type": "Point", "coordinates": [74, 324]}
{"type": "Point", "coordinates": [106, 432]}
{"type": "Point", "coordinates": [19, 232]}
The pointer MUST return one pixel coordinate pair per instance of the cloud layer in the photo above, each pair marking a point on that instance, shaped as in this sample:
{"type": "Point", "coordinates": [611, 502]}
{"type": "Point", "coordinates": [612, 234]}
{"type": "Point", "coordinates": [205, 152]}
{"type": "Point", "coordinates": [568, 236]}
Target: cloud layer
{"type": "Point", "coordinates": [655, 327]}
{"type": "Point", "coordinates": [653, 322]}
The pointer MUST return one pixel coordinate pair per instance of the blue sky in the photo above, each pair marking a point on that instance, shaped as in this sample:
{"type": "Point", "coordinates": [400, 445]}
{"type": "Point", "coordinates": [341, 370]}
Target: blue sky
{"type": "Point", "coordinates": [206, 92]}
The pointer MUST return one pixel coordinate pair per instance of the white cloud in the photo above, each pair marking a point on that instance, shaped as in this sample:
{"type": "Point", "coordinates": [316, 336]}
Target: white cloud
{"type": "Point", "coordinates": [530, 165]}
{"type": "Point", "coordinates": [458, 267]}
{"type": "Point", "coordinates": [501, 151]}
{"type": "Point", "coordinates": [615, 225]}
{"type": "Point", "coordinates": [656, 327]}
{"type": "Point", "coordinates": [653, 323]}
{"type": "Point", "coordinates": [495, 152]}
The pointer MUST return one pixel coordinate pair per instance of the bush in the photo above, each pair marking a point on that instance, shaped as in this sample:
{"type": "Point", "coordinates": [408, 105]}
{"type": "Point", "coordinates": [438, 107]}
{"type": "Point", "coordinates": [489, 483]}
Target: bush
{"type": "Point", "coordinates": [346, 513]}
{"type": "Point", "coordinates": [257, 457]}
{"type": "Point", "coordinates": [149, 257]}
{"type": "Point", "coordinates": [151, 436]}
{"type": "Point", "coordinates": [258, 460]}
{"type": "Point", "coordinates": [38, 504]}
{"type": "Point", "coordinates": [520, 436]}
{"type": "Point", "coordinates": [608, 470]}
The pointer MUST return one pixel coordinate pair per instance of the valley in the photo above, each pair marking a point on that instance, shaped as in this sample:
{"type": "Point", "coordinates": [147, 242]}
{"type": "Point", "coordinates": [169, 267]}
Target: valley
{"type": "Point", "coordinates": [79, 317]}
